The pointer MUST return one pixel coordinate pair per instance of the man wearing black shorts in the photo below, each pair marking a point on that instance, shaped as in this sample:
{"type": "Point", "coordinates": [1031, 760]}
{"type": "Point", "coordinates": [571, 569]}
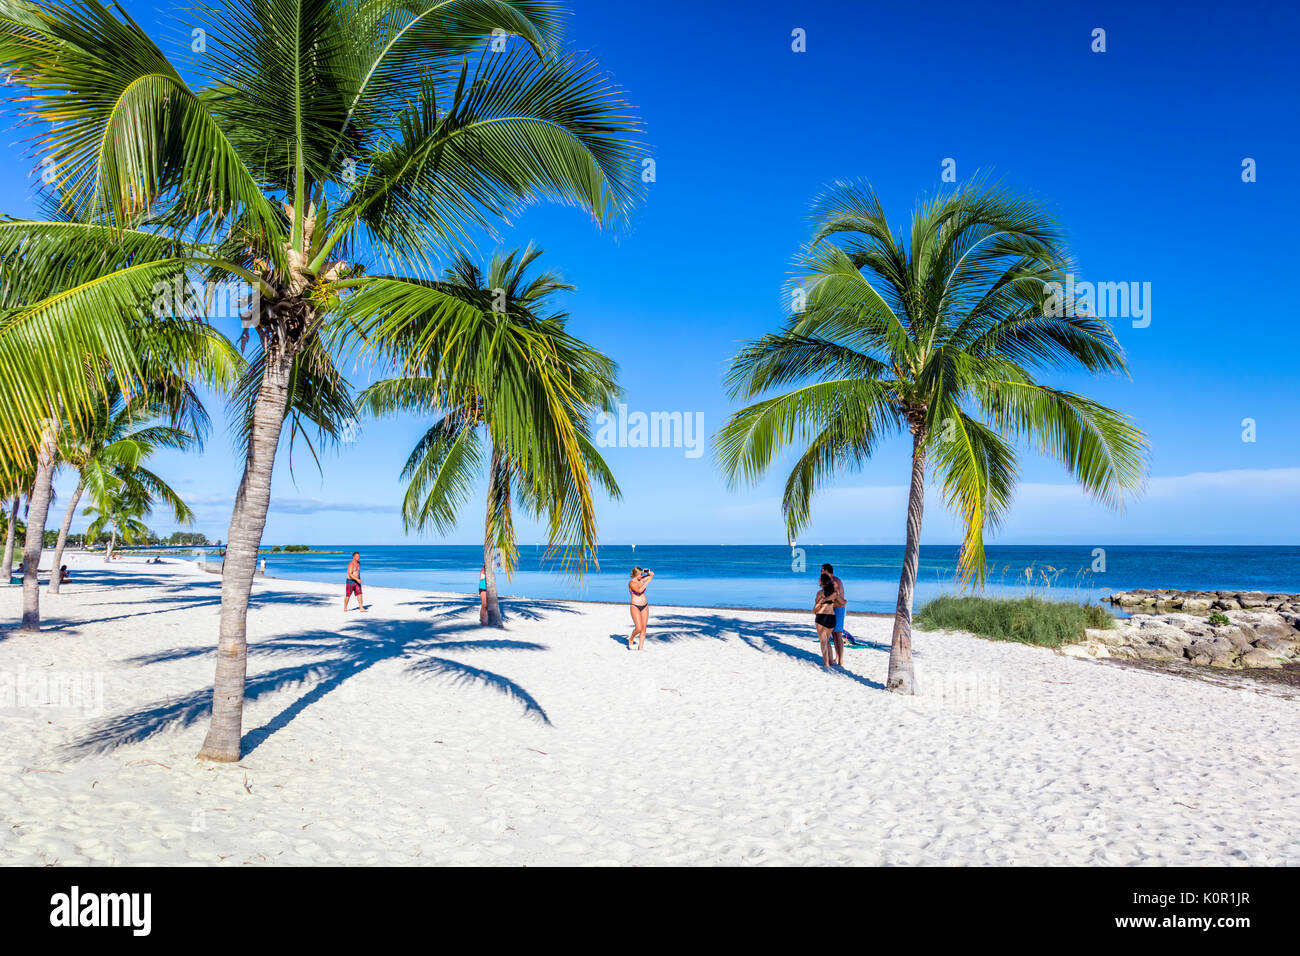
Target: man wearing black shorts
{"type": "Point", "coordinates": [354, 582]}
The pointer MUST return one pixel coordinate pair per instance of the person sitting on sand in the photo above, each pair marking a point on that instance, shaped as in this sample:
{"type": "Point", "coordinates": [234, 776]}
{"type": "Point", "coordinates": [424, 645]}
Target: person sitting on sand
{"type": "Point", "coordinates": [354, 582]}
{"type": "Point", "coordinates": [824, 618]}
{"type": "Point", "coordinates": [482, 596]}
{"type": "Point", "coordinates": [640, 580]}
{"type": "Point", "coordinates": [63, 574]}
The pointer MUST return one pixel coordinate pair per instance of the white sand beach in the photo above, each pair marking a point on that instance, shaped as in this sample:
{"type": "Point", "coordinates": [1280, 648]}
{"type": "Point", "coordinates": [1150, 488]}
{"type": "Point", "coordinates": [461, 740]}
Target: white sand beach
{"type": "Point", "coordinates": [408, 735]}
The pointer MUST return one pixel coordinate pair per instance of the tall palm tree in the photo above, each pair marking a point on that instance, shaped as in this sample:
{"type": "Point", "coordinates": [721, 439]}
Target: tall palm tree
{"type": "Point", "coordinates": [166, 356]}
{"type": "Point", "coordinates": [511, 388]}
{"type": "Point", "coordinates": [116, 439]}
{"type": "Point", "coordinates": [17, 472]}
{"type": "Point", "coordinates": [11, 530]}
{"type": "Point", "coordinates": [326, 130]}
{"type": "Point", "coordinates": [939, 332]}
{"type": "Point", "coordinates": [38, 508]}
{"type": "Point", "coordinates": [121, 511]}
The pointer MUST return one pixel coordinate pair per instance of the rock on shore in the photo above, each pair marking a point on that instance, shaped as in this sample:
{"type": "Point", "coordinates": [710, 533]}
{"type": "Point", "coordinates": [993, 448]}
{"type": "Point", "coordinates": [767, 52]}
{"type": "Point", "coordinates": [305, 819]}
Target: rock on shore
{"type": "Point", "coordinates": [1196, 602]}
{"type": "Point", "coordinates": [1267, 634]}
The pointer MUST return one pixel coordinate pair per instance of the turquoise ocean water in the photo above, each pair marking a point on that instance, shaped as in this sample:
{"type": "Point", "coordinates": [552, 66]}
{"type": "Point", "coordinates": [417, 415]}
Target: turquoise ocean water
{"type": "Point", "coordinates": [761, 576]}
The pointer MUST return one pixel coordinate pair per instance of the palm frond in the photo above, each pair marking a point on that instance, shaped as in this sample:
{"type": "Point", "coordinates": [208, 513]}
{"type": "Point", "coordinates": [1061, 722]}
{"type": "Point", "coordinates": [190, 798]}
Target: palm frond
{"type": "Point", "coordinates": [515, 131]}
{"type": "Point", "coordinates": [441, 473]}
{"type": "Point", "coordinates": [836, 417]}
{"type": "Point", "coordinates": [1101, 448]}
{"type": "Point", "coordinates": [117, 142]}
{"type": "Point", "coordinates": [977, 468]}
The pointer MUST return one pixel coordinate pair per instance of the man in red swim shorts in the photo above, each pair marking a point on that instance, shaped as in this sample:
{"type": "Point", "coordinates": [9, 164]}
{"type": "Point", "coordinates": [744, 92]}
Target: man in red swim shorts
{"type": "Point", "coordinates": [354, 582]}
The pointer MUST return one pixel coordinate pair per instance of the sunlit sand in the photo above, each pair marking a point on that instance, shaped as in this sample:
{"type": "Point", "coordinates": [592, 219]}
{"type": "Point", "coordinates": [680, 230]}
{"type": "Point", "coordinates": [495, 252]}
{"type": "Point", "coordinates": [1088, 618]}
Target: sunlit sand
{"type": "Point", "coordinates": [411, 735]}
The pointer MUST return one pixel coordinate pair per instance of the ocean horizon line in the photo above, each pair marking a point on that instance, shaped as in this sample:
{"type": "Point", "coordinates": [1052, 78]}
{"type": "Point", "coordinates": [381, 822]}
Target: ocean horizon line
{"type": "Point", "coordinates": [778, 577]}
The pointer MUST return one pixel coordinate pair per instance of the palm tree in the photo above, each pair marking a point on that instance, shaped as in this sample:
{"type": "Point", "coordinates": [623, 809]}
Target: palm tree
{"type": "Point", "coordinates": [11, 528]}
{"type": "Point", "coordinates": [121, 511]}
{"type": "Point", "coordinates": [511, 388]}
{"type": "Point", "coordinates": [112, 444]}
{"type": "Point", "coordinates": [164, 357]}
{"type": "Point", "coordinates": [191, 348]}
{"type": "Point", "coordinates": [326, 130]}
{"type": "Point", "coordinates": [939, 332]}
{"type": "Point", "coordinates": [38, 508]}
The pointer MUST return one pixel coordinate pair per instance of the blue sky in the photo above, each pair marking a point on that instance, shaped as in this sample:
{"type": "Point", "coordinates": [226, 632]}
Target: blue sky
{"type": "Point", "coordinates": [1138, 150]}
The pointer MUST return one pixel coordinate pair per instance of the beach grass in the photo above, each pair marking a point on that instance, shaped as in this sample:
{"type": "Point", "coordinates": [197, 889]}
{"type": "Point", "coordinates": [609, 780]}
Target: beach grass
{"type": "Point", "coordinates": [1027, 620]}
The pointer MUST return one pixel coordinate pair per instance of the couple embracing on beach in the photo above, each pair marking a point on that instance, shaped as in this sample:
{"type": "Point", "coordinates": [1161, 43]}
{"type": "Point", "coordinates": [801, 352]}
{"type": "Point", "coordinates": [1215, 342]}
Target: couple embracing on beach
{"type": "Point", "coordinates": [828, 614]}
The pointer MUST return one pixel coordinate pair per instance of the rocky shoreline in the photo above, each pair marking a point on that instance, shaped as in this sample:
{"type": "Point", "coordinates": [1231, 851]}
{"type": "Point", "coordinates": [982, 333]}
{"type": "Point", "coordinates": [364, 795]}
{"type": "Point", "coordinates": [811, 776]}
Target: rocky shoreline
{"type": "Point", "coordinates": [1194, 602]}
{"type": "Point", "coordinates": [1225, 629]}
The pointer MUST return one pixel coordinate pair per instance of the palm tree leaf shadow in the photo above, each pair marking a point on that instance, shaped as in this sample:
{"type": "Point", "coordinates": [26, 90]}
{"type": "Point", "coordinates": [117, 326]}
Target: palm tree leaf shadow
{"type": "Point", "coordinates": [489, 645]}
{"type": "Point", "coordinates": [186, 598]}
{"type": "Point", "coordinates": [762, 636]}
{"type": "Point", "coordinates": [345, 655]}
{"type": "Point", "coordinates": [521, 608]}
{"type": "Point", "coordinates": [467, 674]}
{"type": "Point", "coordinates": [169, 655]}
{"type": "Point", "coordinates": [61, 624]}
{"type": "Point", "coordinates": [177, 713]}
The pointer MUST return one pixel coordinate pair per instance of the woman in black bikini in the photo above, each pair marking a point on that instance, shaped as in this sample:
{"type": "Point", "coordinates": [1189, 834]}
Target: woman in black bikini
{"type": "Point", "coordinates": [824, 617]}
{"type": "Point", "coordinates": [640, 605]}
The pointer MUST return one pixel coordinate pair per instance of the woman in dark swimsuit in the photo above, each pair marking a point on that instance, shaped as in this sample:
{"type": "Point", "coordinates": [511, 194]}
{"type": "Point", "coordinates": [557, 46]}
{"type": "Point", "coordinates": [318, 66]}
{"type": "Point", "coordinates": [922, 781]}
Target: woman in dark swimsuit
{"type": "Point", "coordinates": [640, 580]}
{"type": "Point", "coordinates": [824, 617]}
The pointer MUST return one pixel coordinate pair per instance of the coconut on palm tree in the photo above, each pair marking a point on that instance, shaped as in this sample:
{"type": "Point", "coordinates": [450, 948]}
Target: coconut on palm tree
{"type": "Point", "coordinates": [327, 136]}
{"type": "Point", "coordinates": [940, 332]}
{"type": "Point", "coordinates": [512, 392]}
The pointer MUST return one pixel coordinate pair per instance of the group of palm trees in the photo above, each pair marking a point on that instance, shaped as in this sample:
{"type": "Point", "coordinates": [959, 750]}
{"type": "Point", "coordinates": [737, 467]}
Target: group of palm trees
{"type": "Point", "coordinates": [107, 450]}
{"type": "Point", "coordinates": [326, 153]}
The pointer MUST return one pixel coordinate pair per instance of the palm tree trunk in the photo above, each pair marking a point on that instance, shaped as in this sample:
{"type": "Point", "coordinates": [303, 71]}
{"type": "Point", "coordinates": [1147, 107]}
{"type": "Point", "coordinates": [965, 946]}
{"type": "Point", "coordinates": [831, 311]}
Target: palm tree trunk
{"type": "Point", "coordinates": [112, 543]}
{"type": "Point", "coordinates": [901, 678]}
{"type": "Point", "coordinates": [38, 507]}
{"type": "Point", "coordinates": [225, 733]}
{"type": "Point", "coordinates": [7, 572]}
{"type": "Point", "coordinates": [56, 563]}
{"type": "Point", "coordinates": [490, 551]}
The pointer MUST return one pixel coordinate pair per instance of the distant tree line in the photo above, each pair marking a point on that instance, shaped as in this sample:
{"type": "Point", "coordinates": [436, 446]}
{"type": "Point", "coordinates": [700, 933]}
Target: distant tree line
{"type": "Point", "coordinates": [181, 539]}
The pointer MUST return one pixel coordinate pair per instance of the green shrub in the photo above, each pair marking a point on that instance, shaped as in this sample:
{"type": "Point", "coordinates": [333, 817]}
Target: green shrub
{"type": "Point", "coordinates": [1025, 620]}
{"type": "Point", "coordinates": [1218, 620]}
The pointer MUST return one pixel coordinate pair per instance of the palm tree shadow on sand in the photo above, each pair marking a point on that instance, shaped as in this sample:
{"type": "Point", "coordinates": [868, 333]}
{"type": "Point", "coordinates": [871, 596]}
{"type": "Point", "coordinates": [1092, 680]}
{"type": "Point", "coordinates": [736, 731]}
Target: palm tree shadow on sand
{"type": "Point", "coordinates": [522, 609]}
{"type": "Point", "coordinates": [336, 657]}
{"type": "Point", "coordinates": [764, 636]}
{"type": "Point", "coordinates": [177, 596]}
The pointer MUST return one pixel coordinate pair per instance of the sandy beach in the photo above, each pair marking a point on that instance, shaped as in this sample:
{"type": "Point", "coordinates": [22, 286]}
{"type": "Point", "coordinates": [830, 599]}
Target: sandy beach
{"type": "Point", "coordinates": [408, 735]}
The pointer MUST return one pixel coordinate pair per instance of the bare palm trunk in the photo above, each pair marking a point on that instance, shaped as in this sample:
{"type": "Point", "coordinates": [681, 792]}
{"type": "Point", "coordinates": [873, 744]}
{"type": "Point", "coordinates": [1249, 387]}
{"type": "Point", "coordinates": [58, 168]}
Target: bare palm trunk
{"type": "Point", "coordinates": [8, 570]}
{"type": "Point", "coordinates": [56, 563]}
{"type": "Point", "coordinates": [490, 552]}
{"type": "Point", "coordinates": [225, 732]}
{"type": "Point", "coordinates": [901, 678]}
{"type": "Point", "coordinates": [112, 543]}
{"type": "Point", "coordinates": [38, 507]}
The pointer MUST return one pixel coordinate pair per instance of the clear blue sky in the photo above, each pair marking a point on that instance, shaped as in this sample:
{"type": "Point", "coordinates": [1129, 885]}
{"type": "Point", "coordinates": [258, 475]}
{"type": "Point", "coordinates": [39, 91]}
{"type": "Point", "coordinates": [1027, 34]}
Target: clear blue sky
{"type": "Point", "coordinates": [1138, 149]}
